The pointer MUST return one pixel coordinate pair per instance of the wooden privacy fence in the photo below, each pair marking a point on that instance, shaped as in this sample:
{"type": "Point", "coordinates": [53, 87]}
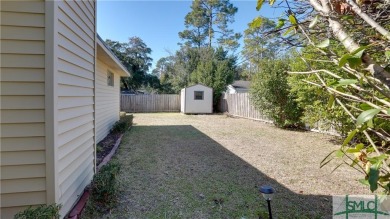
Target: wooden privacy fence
{"type": "Point", "coordinates": [150, 103]}
{"type": "Point", "coordinates": [239, 105]}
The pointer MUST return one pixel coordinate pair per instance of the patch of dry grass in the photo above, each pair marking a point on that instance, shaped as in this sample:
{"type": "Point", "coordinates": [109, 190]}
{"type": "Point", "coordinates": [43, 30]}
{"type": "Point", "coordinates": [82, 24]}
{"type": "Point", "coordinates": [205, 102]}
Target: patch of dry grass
{"type": "Point", "coordinates": [210, 166]}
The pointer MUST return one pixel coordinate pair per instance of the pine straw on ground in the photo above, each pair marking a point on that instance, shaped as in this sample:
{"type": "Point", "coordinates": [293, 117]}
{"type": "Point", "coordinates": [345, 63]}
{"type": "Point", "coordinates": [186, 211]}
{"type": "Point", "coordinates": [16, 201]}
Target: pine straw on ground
{"type": "Point", "coordinates": [211, 166]}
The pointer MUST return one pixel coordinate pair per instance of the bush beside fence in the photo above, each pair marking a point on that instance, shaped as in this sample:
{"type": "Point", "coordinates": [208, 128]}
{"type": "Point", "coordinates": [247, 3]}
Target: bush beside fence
{"type": "Point", "coordinates": [239, 105]}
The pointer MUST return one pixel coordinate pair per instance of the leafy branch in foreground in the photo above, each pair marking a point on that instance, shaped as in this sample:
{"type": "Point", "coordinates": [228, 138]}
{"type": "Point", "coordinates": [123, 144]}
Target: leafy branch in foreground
{"type": "Point", "coordinates": [357, 43]}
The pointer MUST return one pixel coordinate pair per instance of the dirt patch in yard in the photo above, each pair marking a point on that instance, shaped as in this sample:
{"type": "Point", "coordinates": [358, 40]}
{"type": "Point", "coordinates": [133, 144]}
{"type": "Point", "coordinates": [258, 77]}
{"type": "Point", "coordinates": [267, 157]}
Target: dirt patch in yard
{"type": "Point", "coordinates": [104, 147]}
{"type": "Point", "coordinates": [211, 166]}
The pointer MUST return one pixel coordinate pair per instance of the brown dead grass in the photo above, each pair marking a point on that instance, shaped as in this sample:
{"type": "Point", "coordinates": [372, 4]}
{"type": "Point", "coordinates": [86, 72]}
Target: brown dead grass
{"type": "Point", "coordinates": [210, 166]}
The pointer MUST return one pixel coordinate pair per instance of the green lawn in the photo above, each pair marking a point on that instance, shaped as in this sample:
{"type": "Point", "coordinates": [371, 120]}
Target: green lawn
{"type": "Point", "coordinates": [178, 166]}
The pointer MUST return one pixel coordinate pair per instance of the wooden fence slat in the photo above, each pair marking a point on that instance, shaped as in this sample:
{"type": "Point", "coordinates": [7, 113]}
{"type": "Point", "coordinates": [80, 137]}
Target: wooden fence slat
{"type": "Point", "coordinates": [145, 103]}
{"type": "Point", "coordinates": [239, 105]}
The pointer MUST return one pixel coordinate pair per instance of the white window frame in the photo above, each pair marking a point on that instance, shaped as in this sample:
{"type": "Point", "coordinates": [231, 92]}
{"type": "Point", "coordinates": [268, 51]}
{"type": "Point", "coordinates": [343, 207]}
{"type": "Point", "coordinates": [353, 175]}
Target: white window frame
{"type": "Point", "coordinates": [201, 92]}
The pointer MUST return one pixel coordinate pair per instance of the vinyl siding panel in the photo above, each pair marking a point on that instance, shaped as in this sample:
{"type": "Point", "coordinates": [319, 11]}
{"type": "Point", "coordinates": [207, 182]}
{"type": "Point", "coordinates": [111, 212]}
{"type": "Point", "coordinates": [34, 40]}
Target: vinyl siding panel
{"type": "Point", "coordinates": [107, 101]}
{"type": "Point", "coordinates": [20, 130]}
{"type": "Point", "coordinates": [22, 120]}
{"type": "Point", "coordinates": [77, 186]}
{"type": "Point", "coordinates": [22, 60]}
{"type": "Point", "coordinates": [77, 14]}
{"type": "Point", "coordinates": [88, 10]}
{"type": "Point", "coordinates": [74, 58]}
{"type": "Point", "coordinates": [68, 33]}
{"type": "Point", "coordinates": [27, 6]}
{"type": "Point", "coordinates": [23, 199]}
{"type": "Point", "coordinates": [22, 19]}
{"type": "Point", "coordinates": [75, 106]}
{"type": "Point", "coordinates": [66, 43]}
{"type": "Point", "coordinates": [22, 158]}
{"type": "Point", "coordinates": [76, 158]}
{"type": "Point", "coordinates": [77, 91]}
{"type": "Point", "coordinates": [22, 88]}
{"type": "Point", "coordinates": [22, 144]}
{"type": "Point", "coordinates": [75, 122]}
{"type": "Point", "coordinates": [71, 69]}
{"type": "Point", "coordinates": [23, 46]}
{"type": "Point", "coordinates": [75, 143]}
{"type": "Point", "coordinates": [74, 133]}
{"type": "Point", "coordinates": [22, 116]}
{"type": "Point", "coordinates": [70, 102]}
{"type": "Point", "coordinates": [23, 171]}
{"type": "Point", "coordinates": [19, 33]}
{"type": "Point", "coordinates": [69, 113]}
{"type": "Point", "coordinates": [22, 74]}
{"type": "Point", "coordinates": [22, 102]}
{"type": "Point", "coordinates": [23, 185]}
{"type": "Point", "coordinates": [70, 24]}
{"type": "Point", "coordinates": [69, 79]}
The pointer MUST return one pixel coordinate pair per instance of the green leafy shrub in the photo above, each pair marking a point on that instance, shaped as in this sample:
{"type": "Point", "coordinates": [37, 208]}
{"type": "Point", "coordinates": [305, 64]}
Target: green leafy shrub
{"type": "Point", "coordinates": [271, 94]}
{"type": "Point", "coordinates": [104, 188]}
{"type": "Point", "coordinates": [41, 212]}
{"type": "Point", "coordinates": [316, 100]}
{"type": "Point", "coordinates": [124, 123]}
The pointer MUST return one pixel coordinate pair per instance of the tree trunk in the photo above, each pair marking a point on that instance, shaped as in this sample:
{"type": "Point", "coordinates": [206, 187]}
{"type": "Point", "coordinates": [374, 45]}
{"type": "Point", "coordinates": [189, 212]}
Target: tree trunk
{"type": "Point", "coordinates": [210, 25]}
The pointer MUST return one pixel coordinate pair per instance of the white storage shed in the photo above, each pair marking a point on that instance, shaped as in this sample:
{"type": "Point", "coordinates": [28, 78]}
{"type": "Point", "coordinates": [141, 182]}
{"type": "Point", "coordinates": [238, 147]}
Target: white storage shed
{"type": "Point", "coordinates": [197, 99]}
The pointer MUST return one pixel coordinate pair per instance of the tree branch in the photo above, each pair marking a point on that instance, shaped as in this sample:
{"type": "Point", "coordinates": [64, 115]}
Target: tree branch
{"type": "Point", "coordinates": [349, 43]}
{"type": "Point", "coordinates": [355, 8]}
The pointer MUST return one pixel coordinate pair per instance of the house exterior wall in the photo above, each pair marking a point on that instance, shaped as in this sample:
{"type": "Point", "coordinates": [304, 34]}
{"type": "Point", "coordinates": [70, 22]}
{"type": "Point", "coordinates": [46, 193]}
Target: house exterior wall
{"type": "Point", "coordinates": [22, 108]}
{"type": "Point", "coordinates": [47, 102]}
{"type": "Point", "coordinates": [198, 106]}
{"type": "Point", "coordinates": [107, 100]}
{"type": "Point", "coordinates": [75, 45]}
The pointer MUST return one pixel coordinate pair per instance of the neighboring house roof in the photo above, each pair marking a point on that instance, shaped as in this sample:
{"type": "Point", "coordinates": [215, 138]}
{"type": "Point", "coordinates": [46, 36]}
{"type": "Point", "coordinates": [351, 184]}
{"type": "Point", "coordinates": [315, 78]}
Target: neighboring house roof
{"type": "Point", "coordinates": [240, 86]}
{"type": "Point", "coordinates": [108, 57]}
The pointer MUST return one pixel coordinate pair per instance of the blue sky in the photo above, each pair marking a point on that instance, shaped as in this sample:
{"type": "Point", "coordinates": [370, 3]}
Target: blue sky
{"type": "Point", "coordinates": [158, 22]}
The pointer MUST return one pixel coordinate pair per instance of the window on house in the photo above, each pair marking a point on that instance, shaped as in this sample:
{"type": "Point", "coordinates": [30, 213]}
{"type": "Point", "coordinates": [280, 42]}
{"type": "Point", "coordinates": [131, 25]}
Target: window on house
{"type": "Point", "coordinates": [110, 79]}
{"type": "Point", "coordinates": [198, 95]}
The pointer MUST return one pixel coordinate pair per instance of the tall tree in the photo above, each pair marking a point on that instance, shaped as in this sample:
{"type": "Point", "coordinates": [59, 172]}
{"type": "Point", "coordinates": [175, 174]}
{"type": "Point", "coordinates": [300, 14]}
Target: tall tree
{"type": "Point", "coordinates": [208, 22]}
{"type": "Point", "coordinates": [135, 56]}
{"type": "Point", "coordinates": [216, 69]}
{"type": "Point", "coordinates": [259, 43]}
{"type": "Point", "coordinates": [163, 66]}
{"type": "Point", "coordinates": [209, 66]}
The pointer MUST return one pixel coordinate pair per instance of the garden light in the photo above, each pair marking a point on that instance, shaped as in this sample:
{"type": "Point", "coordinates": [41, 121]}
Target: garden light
{"type": "Point", "coordinates": [268, 192]}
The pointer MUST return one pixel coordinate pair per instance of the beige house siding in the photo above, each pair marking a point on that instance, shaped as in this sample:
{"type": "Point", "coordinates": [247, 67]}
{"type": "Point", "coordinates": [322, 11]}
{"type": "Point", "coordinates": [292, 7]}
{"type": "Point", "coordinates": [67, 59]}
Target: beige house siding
{"type": "Point", "coordinates": [107, 100]}
{"type": "Point", "coordinates": [75, 108]}
{"type": "Point", "coordinates": [22, 109]}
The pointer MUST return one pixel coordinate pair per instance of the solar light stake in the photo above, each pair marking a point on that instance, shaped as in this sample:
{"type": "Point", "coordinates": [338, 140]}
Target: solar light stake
{"type": "Point", "coordinates": [269, 209]}
{"type": "Point", "coordinates": [267, 192]}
